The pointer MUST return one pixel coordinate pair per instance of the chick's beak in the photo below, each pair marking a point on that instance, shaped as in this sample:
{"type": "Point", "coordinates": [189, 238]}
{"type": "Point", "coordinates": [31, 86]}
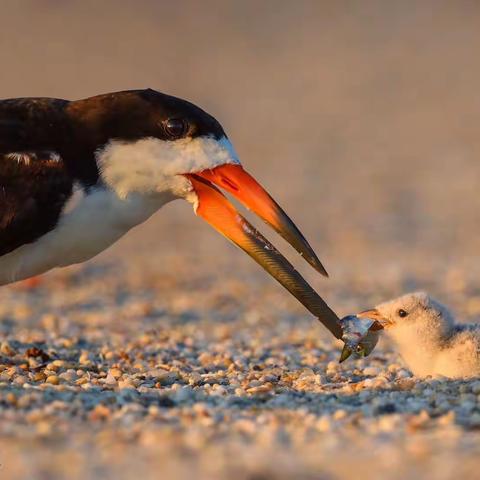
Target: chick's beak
{"type": "Point", "coordinates": [374, 314]}
{"type": "Point", "coordinates": [215, 209]}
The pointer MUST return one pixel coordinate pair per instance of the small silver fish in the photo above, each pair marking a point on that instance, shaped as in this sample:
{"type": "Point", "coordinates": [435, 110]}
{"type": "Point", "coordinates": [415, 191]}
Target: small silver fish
{"type": "Point", "coordinates": [360, 336]}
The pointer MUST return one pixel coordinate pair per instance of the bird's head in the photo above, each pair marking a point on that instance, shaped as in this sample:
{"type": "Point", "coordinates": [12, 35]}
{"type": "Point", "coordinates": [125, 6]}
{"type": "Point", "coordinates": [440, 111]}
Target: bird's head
{"type": "Point", "coordinates": [152, 144]}
{"type": "Point", "coordinates": [415, 313]}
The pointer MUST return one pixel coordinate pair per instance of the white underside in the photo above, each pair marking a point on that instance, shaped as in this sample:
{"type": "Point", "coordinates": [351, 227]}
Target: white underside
{"type": "Point", "coordinates": [139, 178]}
{"type": "Point", "coordinates": [95, 222]}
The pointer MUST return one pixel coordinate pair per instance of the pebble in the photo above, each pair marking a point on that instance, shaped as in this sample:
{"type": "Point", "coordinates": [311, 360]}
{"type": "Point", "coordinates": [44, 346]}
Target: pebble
{"type": "Point", "coordinates": [53, 380]}
{"type": "Point", "coordinates": [20, 380]}
{"type": "Point", "coordinates": [7, 349]}
{"type": "Point", "coordinates": [115, 373]}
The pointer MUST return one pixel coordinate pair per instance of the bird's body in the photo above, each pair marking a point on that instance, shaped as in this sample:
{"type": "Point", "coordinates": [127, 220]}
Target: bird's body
{"type": "Point", "coordinates": [57, 208]}
{"type": "Point", "coordinates": [427, 337]}
{"type": "Point", "coordinates": [77, 175]}
{"type": "Point", "coordinates": [98, 220]}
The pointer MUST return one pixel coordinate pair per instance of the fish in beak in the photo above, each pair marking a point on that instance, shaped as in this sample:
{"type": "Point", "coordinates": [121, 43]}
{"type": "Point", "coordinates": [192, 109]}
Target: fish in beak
{"type": "Point", "coordinates": [216, 210]}
{"type": "Point", "coordinates": [360, 333]}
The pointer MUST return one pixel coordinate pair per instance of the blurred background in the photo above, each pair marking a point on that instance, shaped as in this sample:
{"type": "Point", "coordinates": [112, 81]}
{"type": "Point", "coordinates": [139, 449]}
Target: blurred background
{"type": "Point", "coordinates": [361, 118]}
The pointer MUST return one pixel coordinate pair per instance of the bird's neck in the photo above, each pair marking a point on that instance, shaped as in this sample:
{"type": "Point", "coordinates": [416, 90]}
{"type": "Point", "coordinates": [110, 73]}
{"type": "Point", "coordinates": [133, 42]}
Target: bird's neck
{"type": "Point", "coordinates": [419, 345]}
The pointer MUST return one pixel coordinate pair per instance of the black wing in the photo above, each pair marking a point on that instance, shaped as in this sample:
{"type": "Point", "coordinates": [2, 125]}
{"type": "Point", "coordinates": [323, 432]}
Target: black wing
{"type": "Point", "coordinates": [34, 187]}
{"type": "Point", "coordinates": [30, 124]}
{"type": "Point", "coordinates": [34, 183]}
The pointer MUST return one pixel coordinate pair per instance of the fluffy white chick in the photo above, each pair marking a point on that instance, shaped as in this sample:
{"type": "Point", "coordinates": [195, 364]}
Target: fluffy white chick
{"type": "Point", "coordinates": [428, 339]}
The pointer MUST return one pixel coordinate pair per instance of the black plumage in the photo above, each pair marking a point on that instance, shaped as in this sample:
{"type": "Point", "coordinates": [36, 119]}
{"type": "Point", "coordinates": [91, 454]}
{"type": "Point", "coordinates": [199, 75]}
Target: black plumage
{"type": "Point", "coordinates": [47, 145]}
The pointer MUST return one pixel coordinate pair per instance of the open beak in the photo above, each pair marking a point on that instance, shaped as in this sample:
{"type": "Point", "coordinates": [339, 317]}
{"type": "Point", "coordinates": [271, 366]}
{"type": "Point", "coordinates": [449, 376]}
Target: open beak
{"type": "Point", "coordinates": [215, 209]}
{"type": "Point", "coordinates": [241, 185]}
{"type": "Point", "coordinates": [374, 314]}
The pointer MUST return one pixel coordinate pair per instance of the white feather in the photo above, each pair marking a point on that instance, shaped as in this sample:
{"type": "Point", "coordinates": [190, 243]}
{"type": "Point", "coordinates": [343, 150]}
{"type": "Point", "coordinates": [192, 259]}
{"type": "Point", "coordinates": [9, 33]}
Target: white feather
{"type": "Point", "coordinates": [152, 165]}
{"type": "Point", "coordinates": [19, 157]}
{"type": "Point", "coordinates": [137, 178]}
{"type": "Point", "coordinates": [95, 223]}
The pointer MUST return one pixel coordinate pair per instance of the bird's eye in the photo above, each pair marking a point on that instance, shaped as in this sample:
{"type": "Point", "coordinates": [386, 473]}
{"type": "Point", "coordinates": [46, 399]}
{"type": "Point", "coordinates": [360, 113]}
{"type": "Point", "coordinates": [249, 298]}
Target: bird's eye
{"type": "Point", "coordinates": [175, 127]}
{"type": "Point", "coordinates": [402, 313]}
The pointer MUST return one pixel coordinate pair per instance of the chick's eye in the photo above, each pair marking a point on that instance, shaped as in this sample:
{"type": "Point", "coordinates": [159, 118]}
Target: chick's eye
{"type": "Point", "coordinates": [175, 127]}
{"type": "Point", "coordinates": [402, 313]}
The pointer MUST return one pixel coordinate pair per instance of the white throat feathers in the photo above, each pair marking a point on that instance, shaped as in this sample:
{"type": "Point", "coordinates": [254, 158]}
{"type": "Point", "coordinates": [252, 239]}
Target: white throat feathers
{"type": "Point", "coordinates": [151, 166]}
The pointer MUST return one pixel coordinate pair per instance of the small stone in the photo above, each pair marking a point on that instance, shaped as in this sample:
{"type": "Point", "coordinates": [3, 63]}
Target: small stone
{"type": "Point", "coordinates": [405, 384]}
{"type": "Point", "coordinates": [39, 377]}
{"type": "Point", "coordinates": [205, 359]}
{"type": "Point", "coordinates": [339, 414]}
{"type": "Point", "coordinates": [110, 379]}
{"type": "Point", "coordinates": [184, 394]}
{"type": "Point", "coordinates": [122, 384]}
{"type": "Point", "coordinates": [388, 423]}
{"type": "Point", "coordinates": [20, 380]}
{"type": "Point", "coordinates": [84, 358]}
{"type": "Point", "coordinates": [194, 378]}
{"type": "Point", "coordinates": [100, 412]}
{"type": "Point", "coordinates": [115, 372]}
{"type": "Point", "coordinates": [474, 420]}
{"type": "Point", "coordinates": [11, 398]}
{"type": "Point", "coordinates": [68, 376]}
{"type": "Point", "coordinates": [37, 352]}
{"type": "Point", "coordinates": [266, 388]}
{"type": "Point", "coordinates": [7, 349]}
{"type": "Point", "coordinates": [44, 428]}
{"type": "Point", "coordinates": [476, 387]}
{"type": "Point", "coordinates": [245, 426]}
{"type": "Point", "coordinates": [447, 419]}
{"type": "Point", "coordinates": [419, 421]}
{"type": "Point", "coordinates": [52, 367]}
{"type": "Point", "coordinates": [50, 321]}
{"type": "Point", "coordinates": [52, 380]}
{"type": "Point", "coordinates": [371, 371]}
{"type": "Point", "coordinates": [324, 424]}
{"type": "Point", "coordinates": [59, 364]}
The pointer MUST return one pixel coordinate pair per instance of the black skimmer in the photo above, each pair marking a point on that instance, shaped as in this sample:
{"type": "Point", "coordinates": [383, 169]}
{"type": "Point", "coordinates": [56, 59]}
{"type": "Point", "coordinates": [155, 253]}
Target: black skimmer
{"type": "Point", "coordinates": [428, 338]}
{"type": "Point", "coordinates": [77, 175]}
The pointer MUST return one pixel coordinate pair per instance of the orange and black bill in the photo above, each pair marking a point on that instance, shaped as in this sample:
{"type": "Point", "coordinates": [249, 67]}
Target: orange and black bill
{"type": "Point", "coordinates": [241, 185]}
{"type": "Point", "coordinates": [215, 209]}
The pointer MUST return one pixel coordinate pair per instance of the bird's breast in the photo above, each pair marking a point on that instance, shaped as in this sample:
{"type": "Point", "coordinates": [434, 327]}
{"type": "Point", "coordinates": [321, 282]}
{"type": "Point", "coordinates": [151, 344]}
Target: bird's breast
{"type": "Point", "coordinates": [96, 221]}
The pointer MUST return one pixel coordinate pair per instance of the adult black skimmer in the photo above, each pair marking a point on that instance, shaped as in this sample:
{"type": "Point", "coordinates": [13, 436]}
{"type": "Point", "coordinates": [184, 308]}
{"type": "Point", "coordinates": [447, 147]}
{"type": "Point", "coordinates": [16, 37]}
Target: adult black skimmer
{"type": "Point", "coordinates": [77, 175]}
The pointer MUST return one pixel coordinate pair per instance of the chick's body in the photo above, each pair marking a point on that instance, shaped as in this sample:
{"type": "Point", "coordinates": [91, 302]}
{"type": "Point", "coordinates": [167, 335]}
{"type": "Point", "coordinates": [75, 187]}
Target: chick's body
{"type": "Point", "coordinates": [427, 337]}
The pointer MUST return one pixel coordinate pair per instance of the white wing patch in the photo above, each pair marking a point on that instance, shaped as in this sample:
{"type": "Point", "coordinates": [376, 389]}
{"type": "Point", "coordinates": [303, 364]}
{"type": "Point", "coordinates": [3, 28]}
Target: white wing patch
{"type": "Point", "coordinates": [27, 157]}
{"type": "Point", "coordinates": [21, 157]}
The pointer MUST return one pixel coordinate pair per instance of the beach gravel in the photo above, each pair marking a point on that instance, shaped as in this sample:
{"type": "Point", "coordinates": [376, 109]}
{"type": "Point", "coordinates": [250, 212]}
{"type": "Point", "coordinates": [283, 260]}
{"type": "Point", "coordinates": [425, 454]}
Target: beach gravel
{"type": "Point", "coordinates": [118, 379]}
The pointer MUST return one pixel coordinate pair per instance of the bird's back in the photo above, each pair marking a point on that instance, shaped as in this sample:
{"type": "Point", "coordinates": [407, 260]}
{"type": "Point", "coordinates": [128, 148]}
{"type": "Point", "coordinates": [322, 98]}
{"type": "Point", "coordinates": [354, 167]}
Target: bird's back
{"type": "Point", "coordinates": [34, 187]}
{"type": "Point", "coordinates": [34, 184]}
{"type": "Point", "coordinates": [461, 355]}
{"type": "Point", "coordinates": [30, 124]}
